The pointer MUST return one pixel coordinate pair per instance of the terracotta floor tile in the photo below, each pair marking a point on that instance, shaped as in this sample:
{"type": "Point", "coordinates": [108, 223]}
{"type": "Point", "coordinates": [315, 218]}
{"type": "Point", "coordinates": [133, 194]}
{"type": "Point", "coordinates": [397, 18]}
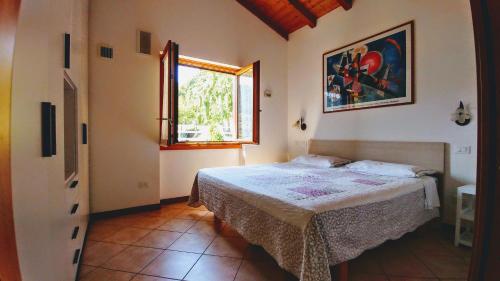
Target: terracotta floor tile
{"type": "Point", "coordinates": [411, 279]}
{"type": "Point", "coordinates": [97, 253]}
{"type": "Point", "coordinates": [177, 225]}
{"type": "Point", "coordinates": [259, 271]}
{"type": "Point", "coordinates": [191, 214]}
{"type": "Point", "coordinates": [460, 251]}
{"type": "Point", "coordinates": [101, 274]}
{"type": "Point", "coordinates": [228, 231]}
{"type": "Point", "coordinates": [139, 277]}
{"type": "Point", "coordinates": [467, 259]}
{"type": "Point", "coordinates": [447, 267]}
{"type": "Point", "coordinates": [405, 265]}
{"type": "Point", "coordinates": [164, 213]}
{"type": "Point", "coordinates": [149, 222]}
{"type": "Point", "coordinates": [227, 247]}
{"type": "Point", "coordinates": [128, 235]}
{"type": "Point", "coordinates": [201, 208]}
{"type": "Point", "coordinates": [132, 259]}
{"type": "Point", "coordinates": [101, 231]}
{"type": "Point", "coordinates": [126, 220]}
{"type": "Point", "coordinates": [390, 248]}
{"type": "Point", "coordinates": [179, 205]}
{"type": "Point", "coordinates": [211, 268]}
{"type": "Point", "coordinates": [367, 263]}
{"type": "Point", "coordinates": [257, 253]}
{"type": "Point", "coordinates": [428, 247]}
{"type": "Point", "coordinates": [204, 227]}
{"type": "Point", "coordinates": [195, 243]}
{"type": "Point", "coordinates": [367, 277]}
{"type": "Point", "coordinates": [172, 264]}
{"type": "Point", "coordinates": [84, 270]}
{"type": "Point", "coordinates": [208, 217]}
{"type": "Point", "coordinates": [423, 255]}
{"type": "Point", "coordinates": [158, 239]}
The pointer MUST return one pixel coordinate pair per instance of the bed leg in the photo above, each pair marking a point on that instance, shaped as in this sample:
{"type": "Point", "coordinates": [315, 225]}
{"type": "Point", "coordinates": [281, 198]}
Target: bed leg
{"type": "Point", "coordinates": [218, 224]}
{"type": "Point", "coordinates": [341, 272]}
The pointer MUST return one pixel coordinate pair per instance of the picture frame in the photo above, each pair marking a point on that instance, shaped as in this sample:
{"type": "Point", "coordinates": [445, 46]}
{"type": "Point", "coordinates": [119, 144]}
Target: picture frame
{"type": "Point", "coordinates": [373, 72]}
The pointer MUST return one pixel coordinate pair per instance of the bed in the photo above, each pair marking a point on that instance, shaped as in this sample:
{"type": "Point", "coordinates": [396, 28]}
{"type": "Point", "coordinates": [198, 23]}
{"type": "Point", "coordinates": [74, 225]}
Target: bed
{"type": "Point", "coordinates": [311, 219]}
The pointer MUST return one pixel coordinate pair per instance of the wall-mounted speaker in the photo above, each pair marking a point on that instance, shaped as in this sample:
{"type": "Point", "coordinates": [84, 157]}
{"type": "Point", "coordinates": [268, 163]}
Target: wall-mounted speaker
{"type": "Point", "coordinates": [53, 128]}
{"type": "Point", "coordinates": [67, 50]}
{"type": "Point", "coordinates": [48, 129]}
{"type": "Point", "coordinates": [144, 42]}
{"type": "Point", "coordinates": [84, 133]}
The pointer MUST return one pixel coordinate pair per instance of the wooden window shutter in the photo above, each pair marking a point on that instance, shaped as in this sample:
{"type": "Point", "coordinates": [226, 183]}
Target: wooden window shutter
{"type": "Point", "coordinates": [248, 103]}
{"type": "Point", "coordinates": [169, 60]}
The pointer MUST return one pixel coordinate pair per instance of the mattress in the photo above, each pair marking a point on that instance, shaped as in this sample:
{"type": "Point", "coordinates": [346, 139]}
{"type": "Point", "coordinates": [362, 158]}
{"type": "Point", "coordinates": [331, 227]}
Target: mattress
{"type": "Point", "coordinates": [311, 218]}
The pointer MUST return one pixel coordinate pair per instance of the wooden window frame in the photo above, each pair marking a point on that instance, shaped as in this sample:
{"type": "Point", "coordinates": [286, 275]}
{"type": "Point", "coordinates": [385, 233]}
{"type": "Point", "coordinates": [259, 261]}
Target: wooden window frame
{"type": "Point", "coordinates": [170, 47]}
{"type": "Point", "coordinates": [172, 143]}
{"type": "Point", "coordinates": [256, 101]}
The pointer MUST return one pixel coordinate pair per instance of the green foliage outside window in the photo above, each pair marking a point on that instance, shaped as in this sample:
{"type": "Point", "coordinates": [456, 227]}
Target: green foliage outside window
{"type": "Point", "coordinates": [206, 103]}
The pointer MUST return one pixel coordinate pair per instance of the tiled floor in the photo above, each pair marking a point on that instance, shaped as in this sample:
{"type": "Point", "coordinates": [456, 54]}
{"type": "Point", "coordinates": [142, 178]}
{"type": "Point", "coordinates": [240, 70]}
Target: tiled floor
{"type": "Point", "coordinates": [182, 243]}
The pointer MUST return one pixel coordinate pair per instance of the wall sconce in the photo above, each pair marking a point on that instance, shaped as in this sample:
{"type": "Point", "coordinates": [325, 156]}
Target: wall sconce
{"type": "Point", "coordinates": [300, 124]}
{"type": "Point", "coordinates": [461, 116]}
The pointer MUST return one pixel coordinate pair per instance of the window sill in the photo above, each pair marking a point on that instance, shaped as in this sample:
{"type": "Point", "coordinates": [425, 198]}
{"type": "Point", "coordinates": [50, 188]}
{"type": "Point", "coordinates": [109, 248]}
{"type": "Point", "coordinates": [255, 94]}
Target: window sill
{"type": "Point", "coordinates": [193, 146]}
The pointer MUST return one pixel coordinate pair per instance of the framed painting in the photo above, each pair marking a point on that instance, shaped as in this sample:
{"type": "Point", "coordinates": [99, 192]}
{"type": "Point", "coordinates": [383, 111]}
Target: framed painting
{"type": "Point", "coordinates": [373, 72]}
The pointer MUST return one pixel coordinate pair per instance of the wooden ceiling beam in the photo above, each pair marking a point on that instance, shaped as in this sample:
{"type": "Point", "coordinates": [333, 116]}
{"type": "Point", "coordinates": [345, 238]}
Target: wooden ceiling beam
{"type": "Point", "coordinates": [346, 4]}
{"type": "Point", "coordinates": [258, 13]}
{"type": "Point", "coordinates": [310, 18]}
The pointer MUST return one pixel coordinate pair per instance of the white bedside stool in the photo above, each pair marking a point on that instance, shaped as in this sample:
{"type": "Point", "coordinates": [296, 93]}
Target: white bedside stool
{"type": "Point", "coordinates": [465, 212]}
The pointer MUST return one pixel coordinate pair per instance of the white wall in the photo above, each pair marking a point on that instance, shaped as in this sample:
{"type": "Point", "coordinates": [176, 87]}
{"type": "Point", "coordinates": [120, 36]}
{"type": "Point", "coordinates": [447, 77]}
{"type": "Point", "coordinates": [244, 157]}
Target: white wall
{"type": "Point", "coordinates": [41, 200]}
{"type": "Point", "coordinates": [124, 91]}
{"type": "Point", "coordinates": [124, 94]}
{"type": "Point", "coordinates": [445, 72]}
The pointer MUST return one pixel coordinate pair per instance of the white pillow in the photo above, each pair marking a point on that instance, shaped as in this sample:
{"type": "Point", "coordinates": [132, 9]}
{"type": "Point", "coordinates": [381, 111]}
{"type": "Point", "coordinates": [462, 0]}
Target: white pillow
{"type": "Point", "coordinates": [389, 169]}
{"type": "Point", "coordinates": [320, 160]}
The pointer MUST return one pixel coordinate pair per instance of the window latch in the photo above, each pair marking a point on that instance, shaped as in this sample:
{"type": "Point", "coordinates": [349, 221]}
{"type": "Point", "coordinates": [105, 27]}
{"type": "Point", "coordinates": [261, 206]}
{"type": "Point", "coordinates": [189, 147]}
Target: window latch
{"type": "Point", "coordinates": [165, 119]}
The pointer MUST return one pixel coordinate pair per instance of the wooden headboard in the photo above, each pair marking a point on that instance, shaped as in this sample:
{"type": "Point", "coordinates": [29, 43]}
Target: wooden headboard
{"type": "Point", "coordinates": [425, 154]}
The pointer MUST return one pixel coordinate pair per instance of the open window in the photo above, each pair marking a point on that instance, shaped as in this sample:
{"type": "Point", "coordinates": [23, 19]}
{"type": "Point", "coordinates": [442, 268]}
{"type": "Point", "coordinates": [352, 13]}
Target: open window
{"type": "Point", "coordinates": [205, 104]}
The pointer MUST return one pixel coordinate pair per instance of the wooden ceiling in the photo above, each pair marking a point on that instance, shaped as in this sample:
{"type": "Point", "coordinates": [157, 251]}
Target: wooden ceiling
{"type": "Point", "coordinates": [286, 16]}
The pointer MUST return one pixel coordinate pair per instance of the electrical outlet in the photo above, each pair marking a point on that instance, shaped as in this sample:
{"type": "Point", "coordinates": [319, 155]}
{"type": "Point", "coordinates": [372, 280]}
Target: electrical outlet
{"type": "Point", "coordinates": [463, 149]}
{"type": "Point", "coordinates": [142, 185]}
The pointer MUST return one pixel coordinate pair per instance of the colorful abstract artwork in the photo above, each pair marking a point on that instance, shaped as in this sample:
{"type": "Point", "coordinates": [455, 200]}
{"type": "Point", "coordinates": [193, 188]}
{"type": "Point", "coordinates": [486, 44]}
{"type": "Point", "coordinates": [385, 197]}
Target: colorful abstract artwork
{"type": "Point", "coordinates": [376, 71]}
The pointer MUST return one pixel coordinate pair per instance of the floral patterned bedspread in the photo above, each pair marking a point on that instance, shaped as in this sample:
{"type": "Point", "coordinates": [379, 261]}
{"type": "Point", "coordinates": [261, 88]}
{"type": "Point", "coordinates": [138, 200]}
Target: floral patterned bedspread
{"type": "Point", "coordinates": [311, 218]}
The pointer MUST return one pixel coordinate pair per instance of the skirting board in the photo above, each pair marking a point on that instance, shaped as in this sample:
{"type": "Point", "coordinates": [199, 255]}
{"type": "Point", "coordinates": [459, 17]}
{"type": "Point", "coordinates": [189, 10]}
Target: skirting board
{"type": "Point", "coordinates": [174, 200]}
{"type": "Point", "coordinates": [121, 212]}
{"type": "Point", "coordinates": [138, 209]}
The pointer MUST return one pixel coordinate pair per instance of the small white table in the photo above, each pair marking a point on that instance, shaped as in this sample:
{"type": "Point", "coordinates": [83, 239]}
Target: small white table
{"type": "Point", "coordinates": [465, 212]}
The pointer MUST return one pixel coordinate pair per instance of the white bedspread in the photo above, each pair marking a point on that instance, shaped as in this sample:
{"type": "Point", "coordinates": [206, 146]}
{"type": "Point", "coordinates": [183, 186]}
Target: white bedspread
{"type": "Point", "coordinates": [295, 192]}
{"type": "Point", "coordinates": [311, 218]}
